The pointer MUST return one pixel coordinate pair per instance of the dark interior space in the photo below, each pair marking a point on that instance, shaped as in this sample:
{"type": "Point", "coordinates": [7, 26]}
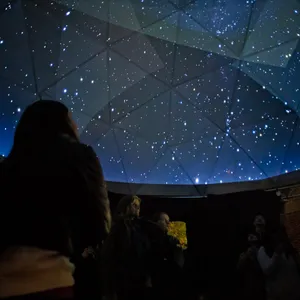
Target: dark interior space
{"type": "Point", "coordinates": [217, 228]}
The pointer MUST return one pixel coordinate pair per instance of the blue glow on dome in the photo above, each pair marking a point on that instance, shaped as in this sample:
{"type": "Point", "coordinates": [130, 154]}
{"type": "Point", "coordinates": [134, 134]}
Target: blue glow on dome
{"type": "Point", "coordinates": [166, 92]}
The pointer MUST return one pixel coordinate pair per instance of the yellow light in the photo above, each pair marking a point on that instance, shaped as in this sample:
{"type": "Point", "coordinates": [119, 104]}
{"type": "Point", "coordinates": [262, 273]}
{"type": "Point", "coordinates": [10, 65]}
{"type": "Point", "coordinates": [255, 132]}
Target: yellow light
{"type": "Point", "coordinates": [178, 230]}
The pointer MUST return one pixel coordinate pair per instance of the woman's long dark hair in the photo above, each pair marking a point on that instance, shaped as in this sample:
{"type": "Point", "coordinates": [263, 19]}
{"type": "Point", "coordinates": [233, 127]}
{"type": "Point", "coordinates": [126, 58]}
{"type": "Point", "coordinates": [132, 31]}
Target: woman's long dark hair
{"type": "Point", "coordinates": [42, 123]}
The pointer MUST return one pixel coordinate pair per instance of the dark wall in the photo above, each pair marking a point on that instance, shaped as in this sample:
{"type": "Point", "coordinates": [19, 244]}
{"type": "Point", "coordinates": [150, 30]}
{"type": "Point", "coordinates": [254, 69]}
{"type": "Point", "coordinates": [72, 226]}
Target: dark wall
{"type": "Point", "coordinates": [217, 228]}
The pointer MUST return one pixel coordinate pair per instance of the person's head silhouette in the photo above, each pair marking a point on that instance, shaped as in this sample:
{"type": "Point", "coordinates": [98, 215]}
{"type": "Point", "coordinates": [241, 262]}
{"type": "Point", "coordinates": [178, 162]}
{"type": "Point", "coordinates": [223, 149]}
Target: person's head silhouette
{"type": "Point", "coordinates": [42, 122]}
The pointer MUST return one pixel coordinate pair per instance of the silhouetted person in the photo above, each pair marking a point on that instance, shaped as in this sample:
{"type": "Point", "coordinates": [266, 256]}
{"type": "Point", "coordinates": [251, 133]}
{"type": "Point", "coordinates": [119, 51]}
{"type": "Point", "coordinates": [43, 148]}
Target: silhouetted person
{"type": "Point", "coordinates": [53, 199]}
{"type": "Point", "coordinates": [127, 253]}
{"type": "Point", "coordinates": [167, 273]}
{"type": "Point", "coordinates": [281, 266]}
{"type": "Point", "coordinates": [172, 249]}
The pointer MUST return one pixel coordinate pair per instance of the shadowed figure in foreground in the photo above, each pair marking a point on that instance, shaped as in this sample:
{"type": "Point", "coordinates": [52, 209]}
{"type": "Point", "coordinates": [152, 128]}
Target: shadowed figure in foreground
{"type": "Point", "coordinates": [53, 199]}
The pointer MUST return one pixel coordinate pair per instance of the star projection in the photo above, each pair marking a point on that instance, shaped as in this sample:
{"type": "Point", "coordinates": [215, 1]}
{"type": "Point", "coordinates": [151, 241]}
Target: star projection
{"type": "Point", "coordinates": [166, 92]}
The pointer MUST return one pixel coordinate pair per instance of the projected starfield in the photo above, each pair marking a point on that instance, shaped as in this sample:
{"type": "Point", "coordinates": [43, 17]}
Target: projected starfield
{"type": "Point", "coordinates": [166, 92]}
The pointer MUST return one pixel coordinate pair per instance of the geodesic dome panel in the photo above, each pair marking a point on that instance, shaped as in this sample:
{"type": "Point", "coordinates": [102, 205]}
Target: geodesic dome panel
{"type": "Point", "coordinates": [166, 92]}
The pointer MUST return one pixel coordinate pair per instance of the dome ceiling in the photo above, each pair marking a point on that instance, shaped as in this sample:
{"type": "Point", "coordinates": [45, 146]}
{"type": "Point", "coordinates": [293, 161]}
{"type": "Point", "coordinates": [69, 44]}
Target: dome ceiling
{"type": "Point", "coordinates": [166, 92]}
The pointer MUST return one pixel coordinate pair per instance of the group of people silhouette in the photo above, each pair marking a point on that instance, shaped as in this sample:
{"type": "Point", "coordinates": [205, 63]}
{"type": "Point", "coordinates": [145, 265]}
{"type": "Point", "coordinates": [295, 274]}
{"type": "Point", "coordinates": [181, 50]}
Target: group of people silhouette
{"type": "Point", "coordinates": [59, 240]}
{"type": "Point", "coordinates": [270, 267]}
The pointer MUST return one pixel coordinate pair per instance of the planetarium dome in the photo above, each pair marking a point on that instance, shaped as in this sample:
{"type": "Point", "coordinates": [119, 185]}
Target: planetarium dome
{"type": "Point", "coordinates": [168, 92]}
